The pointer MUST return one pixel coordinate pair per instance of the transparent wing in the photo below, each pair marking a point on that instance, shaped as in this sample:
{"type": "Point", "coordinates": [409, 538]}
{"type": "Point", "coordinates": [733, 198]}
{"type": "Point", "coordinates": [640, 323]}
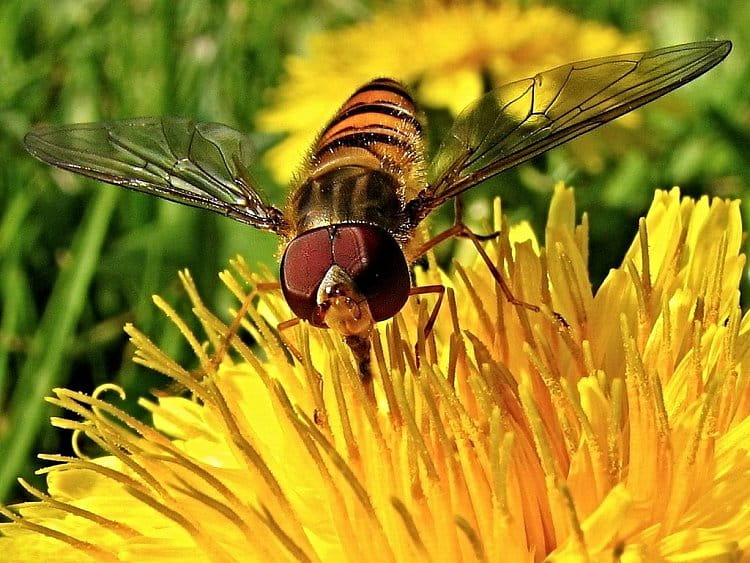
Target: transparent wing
{"type": "Point", "coordinates": [523, 119]}
{"type": "Point", "coordinates": [197, 164]}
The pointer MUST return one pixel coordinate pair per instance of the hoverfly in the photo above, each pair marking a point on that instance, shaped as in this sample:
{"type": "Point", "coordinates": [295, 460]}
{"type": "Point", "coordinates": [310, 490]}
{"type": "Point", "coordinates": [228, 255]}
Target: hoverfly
{"type": "Point", "coordinates": [349, 228]}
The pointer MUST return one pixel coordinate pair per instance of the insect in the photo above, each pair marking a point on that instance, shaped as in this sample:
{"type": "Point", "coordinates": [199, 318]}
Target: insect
{"type": "Point", "coordinates": [350, 227]}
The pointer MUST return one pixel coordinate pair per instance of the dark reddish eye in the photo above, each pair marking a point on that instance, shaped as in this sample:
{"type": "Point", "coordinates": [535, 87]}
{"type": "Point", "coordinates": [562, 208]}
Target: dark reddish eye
{"type": "Point", "coordinates": [377, 265]}
{"type": "Point", "coordinates": [306, 260]}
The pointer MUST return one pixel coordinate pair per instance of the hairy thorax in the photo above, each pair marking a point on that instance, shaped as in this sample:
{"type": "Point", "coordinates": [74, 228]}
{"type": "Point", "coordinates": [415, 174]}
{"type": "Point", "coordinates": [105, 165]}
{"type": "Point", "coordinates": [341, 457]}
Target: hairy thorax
{"type": "Point", "coordinates": [350, 194]}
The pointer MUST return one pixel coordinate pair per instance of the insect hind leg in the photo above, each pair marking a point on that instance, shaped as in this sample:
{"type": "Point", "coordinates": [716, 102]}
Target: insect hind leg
{"type": "Point", "coordinates": [460, 230]}
{"type": "Point", "coordinates": [465, 232]}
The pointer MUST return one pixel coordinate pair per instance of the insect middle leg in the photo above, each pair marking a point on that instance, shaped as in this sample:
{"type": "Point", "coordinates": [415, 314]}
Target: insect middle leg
{"type": "Point", "coordinates": [421, 290]}
{"type": "Point", "coordinates": [281, 328]}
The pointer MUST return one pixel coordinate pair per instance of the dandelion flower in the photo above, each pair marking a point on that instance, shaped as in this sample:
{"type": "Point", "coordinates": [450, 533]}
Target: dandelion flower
{"type": "Point", "coordinates": [445, 52]}
{"type": "Point", "coordinates": [622, 431]}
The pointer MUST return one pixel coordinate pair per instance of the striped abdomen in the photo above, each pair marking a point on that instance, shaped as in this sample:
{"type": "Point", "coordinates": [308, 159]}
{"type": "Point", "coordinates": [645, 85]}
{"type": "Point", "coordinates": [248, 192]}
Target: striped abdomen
{"type": "Point", "coordinates": [379, 118]}
{"type": "Point", "coordinates": [365, 162]}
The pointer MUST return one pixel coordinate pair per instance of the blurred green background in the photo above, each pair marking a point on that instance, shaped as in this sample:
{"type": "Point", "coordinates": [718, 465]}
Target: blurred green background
{"type": "Point", "coordinates": [78, 259]}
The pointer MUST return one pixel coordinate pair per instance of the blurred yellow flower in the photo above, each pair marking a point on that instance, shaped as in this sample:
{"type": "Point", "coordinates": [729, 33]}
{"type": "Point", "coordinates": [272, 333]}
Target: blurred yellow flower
{"type": "Point", "coordinates": [445, 51]}
{"type": "Point", "coordinates": [622, 432]}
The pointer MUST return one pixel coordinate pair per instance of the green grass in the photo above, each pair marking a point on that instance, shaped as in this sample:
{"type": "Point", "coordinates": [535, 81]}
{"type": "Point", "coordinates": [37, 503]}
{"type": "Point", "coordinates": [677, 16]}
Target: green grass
{"type": "Point", "coordinates": [78, 259]}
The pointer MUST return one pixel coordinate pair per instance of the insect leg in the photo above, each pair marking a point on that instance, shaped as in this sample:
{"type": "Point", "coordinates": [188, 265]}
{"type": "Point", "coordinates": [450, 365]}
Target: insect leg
{"type": "Point", "coordinates": [440, 290]}
{"type": "Point", "coordinates": [281, 327]}
{"type": "Point", "coordinates": [234, 327]}
{"type": "Point", "coordinates": [319, 413]}
{"type": "Point", "coordinates": [459, 229]}
{"type": "Point", "coordinates": [458, 219]}
{"type": "Point", "coordinates": [465, 232]}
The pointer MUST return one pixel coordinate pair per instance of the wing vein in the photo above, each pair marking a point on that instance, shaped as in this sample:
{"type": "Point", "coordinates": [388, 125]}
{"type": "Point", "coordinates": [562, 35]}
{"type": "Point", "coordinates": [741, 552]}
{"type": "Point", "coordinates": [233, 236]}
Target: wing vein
{"type": "Point", "coordinates": [501, 130]}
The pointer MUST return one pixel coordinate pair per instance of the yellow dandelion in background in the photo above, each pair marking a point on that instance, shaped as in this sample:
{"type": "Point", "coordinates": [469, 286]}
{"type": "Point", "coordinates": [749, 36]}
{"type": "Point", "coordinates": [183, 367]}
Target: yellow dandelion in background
{"type": "Point", "coordinates": [622, 433]}
{"type": "Point", "coordinates": [445, 52]}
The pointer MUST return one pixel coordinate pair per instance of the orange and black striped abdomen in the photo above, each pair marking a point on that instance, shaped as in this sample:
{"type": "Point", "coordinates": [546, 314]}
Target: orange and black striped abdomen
{"type": "Point", "coordinates": [379, 118]}
{"type": "Point", "coordinates": [365, 164]}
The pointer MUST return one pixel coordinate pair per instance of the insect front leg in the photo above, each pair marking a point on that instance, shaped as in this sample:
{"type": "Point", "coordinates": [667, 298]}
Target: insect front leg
{"type": "Point", "coordinates": [320, 415]}
{"type": "Point", "coordinates": [282, 329]}
{"type": "Point", "coordinates": [231, 332]}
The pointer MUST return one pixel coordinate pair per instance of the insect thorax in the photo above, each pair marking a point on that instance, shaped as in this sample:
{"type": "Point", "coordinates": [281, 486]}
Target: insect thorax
{"type": "Point", "coordinates": [348, 194]}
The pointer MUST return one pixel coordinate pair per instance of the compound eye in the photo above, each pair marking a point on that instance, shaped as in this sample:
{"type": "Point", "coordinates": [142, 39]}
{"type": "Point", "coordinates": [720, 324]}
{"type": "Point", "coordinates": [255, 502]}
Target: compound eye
{"type": "Point", "coordinates": [376, 264]}
{"type": "Point", "coordinates": [304, 265]}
